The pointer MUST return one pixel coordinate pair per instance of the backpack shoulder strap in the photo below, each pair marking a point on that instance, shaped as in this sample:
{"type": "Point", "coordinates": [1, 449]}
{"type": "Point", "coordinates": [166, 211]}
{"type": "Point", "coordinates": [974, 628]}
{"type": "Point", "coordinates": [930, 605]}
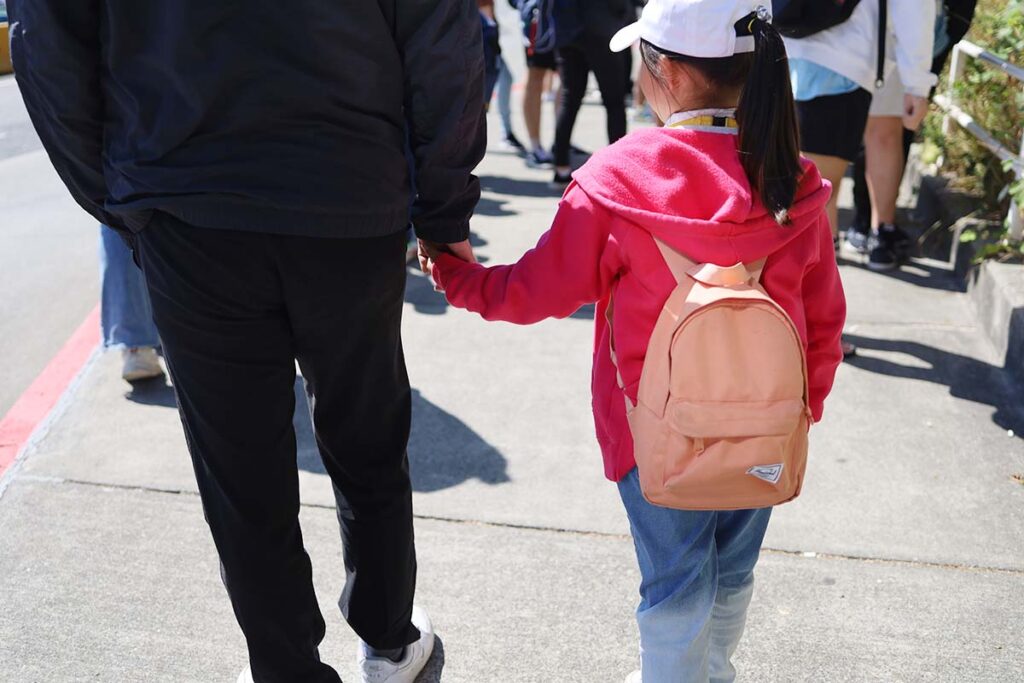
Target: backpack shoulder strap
{"type": "Point", "coordinates": [682, 267]}
{"type": "Point", "coordinates": [676, 262]}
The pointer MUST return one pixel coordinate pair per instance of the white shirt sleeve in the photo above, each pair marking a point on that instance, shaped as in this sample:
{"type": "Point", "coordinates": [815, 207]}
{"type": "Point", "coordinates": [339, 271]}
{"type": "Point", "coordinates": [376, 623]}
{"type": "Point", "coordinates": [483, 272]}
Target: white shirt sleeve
{"type": "Point", "coordinates": [912, 26]}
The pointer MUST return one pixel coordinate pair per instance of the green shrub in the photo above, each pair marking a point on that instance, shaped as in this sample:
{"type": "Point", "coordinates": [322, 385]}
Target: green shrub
{"type": "Point", "coordinates": [995, 100]}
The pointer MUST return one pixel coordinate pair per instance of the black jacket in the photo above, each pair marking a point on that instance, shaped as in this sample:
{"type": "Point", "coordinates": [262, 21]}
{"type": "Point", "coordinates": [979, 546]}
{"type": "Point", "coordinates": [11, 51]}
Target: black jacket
{"type": "Point", "coordinates": [289, 118]}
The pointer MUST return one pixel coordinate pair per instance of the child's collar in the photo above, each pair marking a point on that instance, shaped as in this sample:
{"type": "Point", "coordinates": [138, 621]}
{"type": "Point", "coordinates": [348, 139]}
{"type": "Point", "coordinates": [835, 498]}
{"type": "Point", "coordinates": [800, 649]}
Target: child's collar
{"type": "Point", "coordinates": [709, 120]}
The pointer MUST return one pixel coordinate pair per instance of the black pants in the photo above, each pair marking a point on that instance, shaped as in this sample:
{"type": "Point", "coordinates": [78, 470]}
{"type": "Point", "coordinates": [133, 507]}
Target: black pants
{"type": "Point", "coordinates": [234, 311]}
{"type": "Point", "coordinates": [574, 65]}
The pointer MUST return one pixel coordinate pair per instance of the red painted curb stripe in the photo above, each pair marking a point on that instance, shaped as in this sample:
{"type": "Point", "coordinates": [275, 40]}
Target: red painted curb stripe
{"type": "Point", "coordinates": [35, 404]}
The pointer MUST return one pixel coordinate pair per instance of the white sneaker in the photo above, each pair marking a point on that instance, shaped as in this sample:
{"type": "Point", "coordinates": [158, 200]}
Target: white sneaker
{"type": "Point", "coordinates": [246, 675]}
{"type": "Point", "coordinates": [140, 363]}
{"type": "Point", "coordinates": [631, 678]}
{"type": "Point", "coordinates": [416, 655]}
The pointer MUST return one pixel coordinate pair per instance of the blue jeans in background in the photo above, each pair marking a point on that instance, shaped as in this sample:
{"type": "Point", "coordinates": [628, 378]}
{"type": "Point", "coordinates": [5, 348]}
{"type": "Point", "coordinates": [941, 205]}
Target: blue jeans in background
{"type": "Point", "coordinates": [697, 578]}
{"type": "Point", "coordinates": [125, 313]}
{"type": "Point", "coordinates": [504, 87]}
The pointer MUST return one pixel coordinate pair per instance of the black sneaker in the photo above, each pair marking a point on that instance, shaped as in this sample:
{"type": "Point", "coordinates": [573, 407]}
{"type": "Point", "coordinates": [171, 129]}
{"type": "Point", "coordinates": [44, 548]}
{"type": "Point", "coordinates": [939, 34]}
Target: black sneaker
{"type": "Point", "coordinates": [560, 181]}
{"type": "Point", "coordinates": [511, 142]}
{"type": "Point", "coordinates": [888, 248]}
{"type": "Point", "coordinates": [857, 238]}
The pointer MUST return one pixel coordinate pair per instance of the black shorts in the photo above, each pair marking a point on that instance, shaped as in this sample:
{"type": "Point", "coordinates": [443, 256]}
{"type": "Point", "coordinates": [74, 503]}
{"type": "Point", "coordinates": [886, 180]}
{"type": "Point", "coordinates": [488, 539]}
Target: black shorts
{"type": "Point", "coordinates": [834, 125]}
{"type": "Point", "coordinates": [541, 60]}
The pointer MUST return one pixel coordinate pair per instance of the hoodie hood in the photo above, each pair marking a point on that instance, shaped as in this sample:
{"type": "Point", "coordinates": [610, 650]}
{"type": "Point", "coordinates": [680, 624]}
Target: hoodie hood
{"type": "Point", "coordinates": [688, 188]}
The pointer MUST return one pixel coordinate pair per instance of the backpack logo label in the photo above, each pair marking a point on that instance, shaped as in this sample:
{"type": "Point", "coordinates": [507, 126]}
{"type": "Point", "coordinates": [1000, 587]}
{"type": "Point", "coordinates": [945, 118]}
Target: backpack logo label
{"type": "Point", "coordinates": [768, 473]}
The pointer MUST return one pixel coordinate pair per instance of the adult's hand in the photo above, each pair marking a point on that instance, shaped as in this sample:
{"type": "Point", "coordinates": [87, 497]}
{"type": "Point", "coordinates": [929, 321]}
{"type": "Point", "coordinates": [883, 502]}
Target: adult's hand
{"type": "Point", "coordinates": [429, 251]}
{"type": "Point", "coordinates": [914, 110]}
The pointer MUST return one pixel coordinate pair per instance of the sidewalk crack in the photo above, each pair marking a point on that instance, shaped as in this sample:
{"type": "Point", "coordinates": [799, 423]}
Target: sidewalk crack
{"type": "Point", "coordinates": [582, 533]}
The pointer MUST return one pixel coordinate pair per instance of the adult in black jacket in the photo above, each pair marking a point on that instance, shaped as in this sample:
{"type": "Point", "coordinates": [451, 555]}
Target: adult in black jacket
{"type": "Point", "coordinates": [260, 159]}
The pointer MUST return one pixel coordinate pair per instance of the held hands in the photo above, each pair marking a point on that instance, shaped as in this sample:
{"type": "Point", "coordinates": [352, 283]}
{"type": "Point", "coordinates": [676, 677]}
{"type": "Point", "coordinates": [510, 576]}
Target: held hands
{"type": "Point", "coordinates": [430, 251]}
{"type": "Point", "coordinates": [914, 110]}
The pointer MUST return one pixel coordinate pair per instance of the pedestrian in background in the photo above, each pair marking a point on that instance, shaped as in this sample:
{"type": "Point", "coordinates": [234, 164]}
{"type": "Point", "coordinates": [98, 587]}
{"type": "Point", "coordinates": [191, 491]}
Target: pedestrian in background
{"type": "Point", "coordinates": [503, 80]}
{"type": "Point", "coordinates": [582, 31]}
{"type": "Point", "coordinates": [259, 168]}
{"type": "Point", "coordinates": [835, 72]}
{"type": "Point", "coordinates": [721, 183]}
{"type": "Point", "coordinates": [538, 28]}
{"type": "Point", "coordinates": [887, 142]}
{"type": "Point", "coordinates": [126, 316]}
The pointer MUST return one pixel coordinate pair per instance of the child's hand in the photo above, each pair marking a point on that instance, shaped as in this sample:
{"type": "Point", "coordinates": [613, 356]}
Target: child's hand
{"type": "Point", "coordinates": [430, 251]}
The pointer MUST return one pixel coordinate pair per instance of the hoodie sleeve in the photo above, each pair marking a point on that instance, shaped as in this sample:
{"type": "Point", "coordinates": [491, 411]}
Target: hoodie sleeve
{"type": "Point", "coordinates": [573, 264]}
{"type": "Point", "coordinates": [825, 314]}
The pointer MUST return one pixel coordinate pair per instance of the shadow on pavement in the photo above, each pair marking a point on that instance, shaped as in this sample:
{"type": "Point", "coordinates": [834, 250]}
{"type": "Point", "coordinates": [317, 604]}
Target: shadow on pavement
{"type": "Point", "coordinates": [914, 273]}
{"type": "Point", "coordinates": [494, 207]}
{"type": "Point", "coordinates": [967, 378]}
{"type": "Point", "coordinates": [419, 291]}
{"type": "Point", "coordinates": [435, 665]}
{"type": "Point", "coordinates": [152, 392]}
{"type": "Point", "coordinates": [443, 451]}
{"type": "Point", "coordinates": [517, 187]}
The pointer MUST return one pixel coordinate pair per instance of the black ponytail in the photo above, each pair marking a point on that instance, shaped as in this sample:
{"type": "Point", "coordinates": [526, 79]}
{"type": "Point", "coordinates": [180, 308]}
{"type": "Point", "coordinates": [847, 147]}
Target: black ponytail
{"type": "Point", "coordinates": [769, 139]}
{"type": "Point", "coordinates": [768, 135]}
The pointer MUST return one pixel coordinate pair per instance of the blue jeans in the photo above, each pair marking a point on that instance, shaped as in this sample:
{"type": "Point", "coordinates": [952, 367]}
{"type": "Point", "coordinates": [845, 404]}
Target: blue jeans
{"type": "Point", "coordinates": [697, 577]}
{"type": "Point", "coordinates": [125, 313]}
{"type": "Point", "coordinates": [504, 96]}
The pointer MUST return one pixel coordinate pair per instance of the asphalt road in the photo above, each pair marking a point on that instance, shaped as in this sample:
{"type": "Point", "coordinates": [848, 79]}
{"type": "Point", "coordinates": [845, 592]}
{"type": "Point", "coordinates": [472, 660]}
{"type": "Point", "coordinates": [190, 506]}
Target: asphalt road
{"type": "Point", "coordinates": [49, 277]}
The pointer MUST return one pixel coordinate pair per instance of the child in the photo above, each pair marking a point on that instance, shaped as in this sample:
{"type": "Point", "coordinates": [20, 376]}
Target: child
{"type": "Point", "coordinates": [723, 183]}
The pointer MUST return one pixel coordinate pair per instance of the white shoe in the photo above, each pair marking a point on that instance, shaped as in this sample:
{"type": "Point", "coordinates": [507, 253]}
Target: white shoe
{"type": "Point", "coordinates": [246, 675]}
{"type": "Point", "coordinates": [140, 363]}
{"type": "Point", "coordinates": [631, 678]}
{"type": "Point", "coordinates": [416, 656]}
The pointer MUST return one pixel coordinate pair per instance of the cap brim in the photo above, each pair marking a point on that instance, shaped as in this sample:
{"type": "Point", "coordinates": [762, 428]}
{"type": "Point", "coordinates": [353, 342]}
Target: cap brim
{"type": "Point", "coordinates": [625, 38]}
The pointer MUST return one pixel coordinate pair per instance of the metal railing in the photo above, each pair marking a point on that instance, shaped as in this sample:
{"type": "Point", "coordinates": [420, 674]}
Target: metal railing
{"type": "Point", "coordinates": [954, 113]}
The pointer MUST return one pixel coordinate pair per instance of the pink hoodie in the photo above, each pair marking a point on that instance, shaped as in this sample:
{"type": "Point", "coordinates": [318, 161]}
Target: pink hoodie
{"type": "Point", "coordinates": [688, 188]}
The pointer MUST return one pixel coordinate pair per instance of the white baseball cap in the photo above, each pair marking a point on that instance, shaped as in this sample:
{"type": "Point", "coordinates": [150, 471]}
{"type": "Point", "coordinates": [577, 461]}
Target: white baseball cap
{"type": "Point", "coordinates": [696, 28]}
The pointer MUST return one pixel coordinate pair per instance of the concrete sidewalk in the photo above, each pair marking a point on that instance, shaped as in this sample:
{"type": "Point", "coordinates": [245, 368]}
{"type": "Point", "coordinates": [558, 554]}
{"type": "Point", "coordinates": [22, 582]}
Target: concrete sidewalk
{"type": "Point", "coordinates": [902, 561]}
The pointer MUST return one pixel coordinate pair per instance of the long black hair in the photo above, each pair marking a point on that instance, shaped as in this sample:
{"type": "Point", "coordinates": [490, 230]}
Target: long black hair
{"type": "Point", "coordinates": [769, 139]}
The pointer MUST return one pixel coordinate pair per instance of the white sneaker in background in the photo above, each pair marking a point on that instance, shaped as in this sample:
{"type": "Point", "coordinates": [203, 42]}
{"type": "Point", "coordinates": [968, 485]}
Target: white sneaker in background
{"type": "Point", "coordinates": [416, 656]}
{"type": "Point", "coordinates": [631, 678]}
{"type": "Point", "coordinates": [246, 675]}
{"type": "Point", "coordinates": [140, 363]}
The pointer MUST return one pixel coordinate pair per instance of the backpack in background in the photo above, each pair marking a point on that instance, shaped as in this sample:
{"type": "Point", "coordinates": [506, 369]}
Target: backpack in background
{"type": "Point", "coordinates": [722, 416]}
{"type": "Point", "coordinates": [802, 18]}
{"type": "Point", "coordinates": [537, 18]}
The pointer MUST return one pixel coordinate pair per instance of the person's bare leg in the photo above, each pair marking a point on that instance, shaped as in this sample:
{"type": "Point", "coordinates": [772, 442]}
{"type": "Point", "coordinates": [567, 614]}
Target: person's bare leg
{"type": "Point", "coordinates": [531, 104]}
{"type": "Point", "coordinates": [883, 142]}
{"type": "Point", "coordinates": [833, 169]}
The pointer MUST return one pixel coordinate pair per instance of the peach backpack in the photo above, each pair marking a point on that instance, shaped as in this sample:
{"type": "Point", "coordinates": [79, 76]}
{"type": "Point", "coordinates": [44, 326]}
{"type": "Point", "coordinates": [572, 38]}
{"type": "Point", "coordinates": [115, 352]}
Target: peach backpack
{"type": "Point", "coordinates": [721, 417]}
